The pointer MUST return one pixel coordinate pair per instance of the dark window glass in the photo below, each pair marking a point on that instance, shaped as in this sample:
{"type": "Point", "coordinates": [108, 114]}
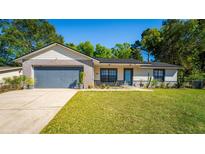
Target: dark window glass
{"type": "Point", "coordinates": [159, 74]}
{"type": "Point", "coordinates": [108, 75]}
{"type": "Point", "coordinates": [104, 75]}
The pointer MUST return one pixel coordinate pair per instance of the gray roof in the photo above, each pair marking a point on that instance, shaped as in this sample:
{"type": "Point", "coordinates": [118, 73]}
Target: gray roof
{"type": "Point", "coordinates": [119, 61]}
{"type": "Point", "coordinates": [9, 69]}
{"type": "Point", "coordinates": [159, 64]}
{"type": "Point", "coordinates": [134, 61]}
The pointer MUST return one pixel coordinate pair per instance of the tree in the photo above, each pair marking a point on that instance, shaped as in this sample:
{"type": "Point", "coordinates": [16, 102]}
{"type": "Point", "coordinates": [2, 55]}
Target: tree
{"type": "Point", "coordinates": [136, 51]}
{"type": "Point", "coordinates": [122, 50]}
{"type": "Point", "coordinates": [183, 43]}
{"type": "Point", "coordinates": [201, 43]}
{"type": "Point", "coordinates": [86, 48]}
{"type": "Point", "coordinates": [150, 39]}
{"type": "Point", "coordinates": [71, 45]}
{"type": "Point", "coordinates": [20, 36]}
{"type": "Point", "coordinates": [171, 44]}
{"type": "Point", "coordinates": [102, 52]}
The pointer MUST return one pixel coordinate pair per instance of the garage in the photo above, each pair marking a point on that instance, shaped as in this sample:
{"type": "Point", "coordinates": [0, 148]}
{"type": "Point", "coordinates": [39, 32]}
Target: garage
{"type": "Point", "coordinates": [56, 77]}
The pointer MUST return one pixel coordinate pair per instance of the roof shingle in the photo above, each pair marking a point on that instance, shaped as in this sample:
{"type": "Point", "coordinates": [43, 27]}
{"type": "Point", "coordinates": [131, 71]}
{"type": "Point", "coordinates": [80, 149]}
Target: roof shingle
{"type": "Point", "coordinates": [119, 61]}
{"type": "Point", "coordinates": [159, 64]}
{"type": "Point", "coordinates": [134, 61]}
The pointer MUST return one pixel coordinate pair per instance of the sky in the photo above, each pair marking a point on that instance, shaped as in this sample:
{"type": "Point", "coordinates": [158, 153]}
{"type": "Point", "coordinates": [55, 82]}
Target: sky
{"type": "Point", "coordinates": [107, 32]}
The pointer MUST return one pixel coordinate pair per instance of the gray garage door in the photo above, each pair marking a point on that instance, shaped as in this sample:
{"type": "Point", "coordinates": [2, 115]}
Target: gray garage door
{"type": "Point", "coordinates": [56, 77]}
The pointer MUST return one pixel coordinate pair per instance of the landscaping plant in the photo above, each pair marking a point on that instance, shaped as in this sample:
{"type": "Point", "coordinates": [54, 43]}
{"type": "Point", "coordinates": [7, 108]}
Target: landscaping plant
{"type": "Point", "coordinates": [162, 85]}
{"type": "Point", "coordinates": [167, 85]}
{"type": "Point", "coordinates": [154, 83]}
{"type": "Point", "coordinates": [149, 81]}
{"type": "Point", "coordinates": [29, 82]}
{"type": "Point", "coordinates": [81, 80]}
{"type": "Point", "coordinates": [17, 82]}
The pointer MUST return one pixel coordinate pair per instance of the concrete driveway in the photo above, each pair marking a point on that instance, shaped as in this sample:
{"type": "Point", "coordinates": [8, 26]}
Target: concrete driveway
{"type": "Point", "coordinates": [28, 111]}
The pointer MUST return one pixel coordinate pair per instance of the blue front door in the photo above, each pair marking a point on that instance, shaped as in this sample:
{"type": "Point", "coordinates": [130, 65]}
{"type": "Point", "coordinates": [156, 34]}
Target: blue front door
{"type": "Point", "coordinates": [128, 75]}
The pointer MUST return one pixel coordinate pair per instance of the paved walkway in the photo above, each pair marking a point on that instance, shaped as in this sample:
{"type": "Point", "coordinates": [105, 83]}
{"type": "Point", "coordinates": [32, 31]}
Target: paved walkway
{"type": "Point", "coordinates": [28, 111]}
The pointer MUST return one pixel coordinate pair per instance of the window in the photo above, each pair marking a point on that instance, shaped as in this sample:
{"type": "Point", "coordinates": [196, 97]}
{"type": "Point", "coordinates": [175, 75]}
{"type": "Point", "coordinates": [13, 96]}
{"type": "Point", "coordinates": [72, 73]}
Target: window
{"type": "Point", "coordinates": [159, 74]}
{"type": "Point", "coordinates": [108, 75]}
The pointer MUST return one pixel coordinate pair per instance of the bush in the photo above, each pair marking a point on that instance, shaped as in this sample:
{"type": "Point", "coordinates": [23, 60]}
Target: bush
{"type": "Point", "coordinates": [146, 85]}
{"type": "Point", "coordinates": [90, 86]}
{"type": "Point", "coordinates": [18, 82]}
{"type": "Point", "coordinates": [107, 86]}
{"type": "Point", "coordinates": [154, 83]}
{"type": "Point", "coordinates": [195, 76]}
{"type": "Point", "coordinates": [13, 82]}
{"type": "Point", "coordinates": [81, 80]}
{"type": "Point", "coordinates": [175, 85]}
{"type": "Point", "coordinates": [29, 82]}
{"type": "Point", "coordinates": [102, 86]}
{"type": "Point", "coordinates": [141, 84]}
{"type": "Point", "coordinates": [7, 81]}
{"type": "Point", "coordinates": [167, 85]}
{"type": "Point", "coordinates": [5, 88]}
{"type": "Point", "coordinates": [162, 85]}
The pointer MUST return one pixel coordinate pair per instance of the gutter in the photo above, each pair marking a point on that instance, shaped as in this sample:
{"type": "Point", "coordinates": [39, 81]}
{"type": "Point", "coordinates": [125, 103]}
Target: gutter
{"type": "Point", "coordinates": [10, 70]}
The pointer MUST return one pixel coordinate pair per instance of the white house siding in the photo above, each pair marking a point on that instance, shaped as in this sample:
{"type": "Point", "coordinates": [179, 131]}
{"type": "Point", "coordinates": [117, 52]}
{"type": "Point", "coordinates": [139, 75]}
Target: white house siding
{"type": "Point", "coordinates": [170, 75]}
{"type": "Point", "coordinates": [139, 74]}
{"type": "Point", "coordinates": [142, 74]}
{"type": "Point", "coordinates": [120, 70]}
{"type": "Point", "coordinates": [9, 74]}
{"type": "Point", "coordinates": [58, 52]}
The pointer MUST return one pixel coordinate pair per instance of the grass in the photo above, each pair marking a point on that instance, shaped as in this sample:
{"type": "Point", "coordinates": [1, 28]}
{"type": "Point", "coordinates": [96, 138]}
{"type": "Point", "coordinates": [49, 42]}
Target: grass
{"type": "Point", "coordinates": [161, 111]}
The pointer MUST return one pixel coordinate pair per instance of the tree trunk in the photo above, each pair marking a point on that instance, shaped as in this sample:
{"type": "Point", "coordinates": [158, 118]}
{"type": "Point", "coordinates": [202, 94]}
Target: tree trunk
{"type": "Point", "coordinates": [148, 56]}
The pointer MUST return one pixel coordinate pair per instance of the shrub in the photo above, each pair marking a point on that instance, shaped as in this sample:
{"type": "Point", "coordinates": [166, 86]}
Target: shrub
{"type": "Point", "coordinates": [4, 88]}
{"type": "Point", "coordinates": [146, 85]}
{"type": "Point", "coordinates": [81, 80]}
{"type": "Point", "coordinates": [90, 86]}
{"type": "Point", "coordinates": [107, 86]}
{"type": "Point", "coordinates": [7, 81]}
{"type": "Point", "coordinates": [154, 83]}
{"type": "Point", "coordinates": [167, 85]}
{"type": "Point", "coordinates": [18, 82]}
{"type": "Point", "coordinates": [13, 82]}
{"type": "Point", "coordinates": [23, 80]}
{"type": "Point", "coordinates": [174, 85]}
{"type": "Point", "coordinates": [162, 85]}
{"type": "Point", "coordinates": [186, 85]}
{"type": "Point", "coordinates": [102, 86]}
{"type": "Point", "coordinates": [196, 75]}
{"type": "Point", "coordinates": [141, 84]}
{"type": "Point", "coordinates": [29, 82]}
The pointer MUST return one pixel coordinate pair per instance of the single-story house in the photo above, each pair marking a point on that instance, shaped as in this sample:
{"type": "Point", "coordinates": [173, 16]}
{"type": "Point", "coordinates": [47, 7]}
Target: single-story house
{"type": "Point", "coordinates": [8, 71]}
{"type": "Point", "coordinates": [57, 66]}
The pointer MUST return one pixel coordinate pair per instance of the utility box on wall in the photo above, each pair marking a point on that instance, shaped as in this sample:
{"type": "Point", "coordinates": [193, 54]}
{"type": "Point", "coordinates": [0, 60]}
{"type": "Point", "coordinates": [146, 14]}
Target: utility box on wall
{"type": "Point", "coordinates": [197, 84]}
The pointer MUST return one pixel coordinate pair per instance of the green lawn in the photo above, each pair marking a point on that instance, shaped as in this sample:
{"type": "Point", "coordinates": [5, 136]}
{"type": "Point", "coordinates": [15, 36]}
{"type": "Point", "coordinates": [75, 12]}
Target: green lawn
{"type": "Point", "coordinates": [161, 111]}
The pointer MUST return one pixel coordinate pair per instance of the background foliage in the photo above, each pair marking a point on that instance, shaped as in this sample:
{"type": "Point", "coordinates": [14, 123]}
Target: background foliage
{"type": "Point", "coordinates": [18, 37]}
{"type": "Point", "coordinates": [180, 42]}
